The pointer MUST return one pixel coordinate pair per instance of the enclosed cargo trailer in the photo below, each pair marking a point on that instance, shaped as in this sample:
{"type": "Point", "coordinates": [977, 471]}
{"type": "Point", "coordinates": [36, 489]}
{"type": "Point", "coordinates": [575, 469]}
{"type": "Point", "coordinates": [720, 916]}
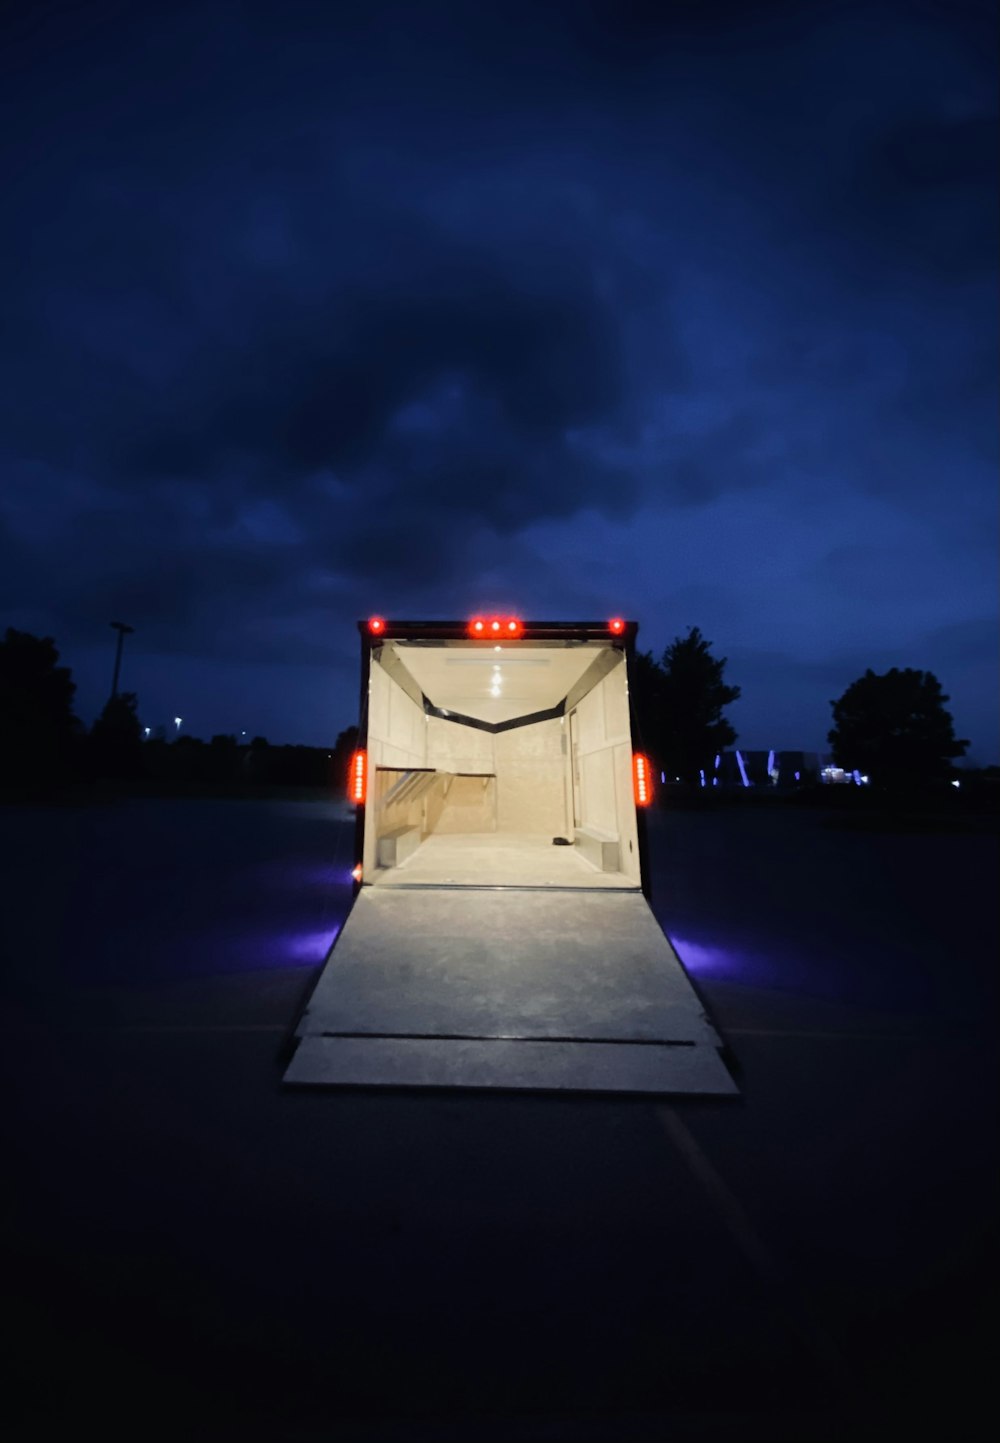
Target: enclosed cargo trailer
{"type": "Point", "coordinates": [499, 934]}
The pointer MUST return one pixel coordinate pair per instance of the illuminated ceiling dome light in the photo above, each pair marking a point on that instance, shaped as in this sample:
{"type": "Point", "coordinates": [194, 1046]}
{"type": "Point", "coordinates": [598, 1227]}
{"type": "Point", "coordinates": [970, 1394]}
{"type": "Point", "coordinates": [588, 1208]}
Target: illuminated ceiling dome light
{"type": "Point", "coordinates": [616, 626]}
{"type": "Point", "coordinates": [376, 625]}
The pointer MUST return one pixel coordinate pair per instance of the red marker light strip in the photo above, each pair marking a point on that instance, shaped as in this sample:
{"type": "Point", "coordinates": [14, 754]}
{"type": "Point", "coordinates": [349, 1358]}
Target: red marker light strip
{"type": "Point", "coordinates": [357, 785]}
{"type": "Point", "coordinates": [616, 626]}
{"type": "Point", "coordinates": [493, 627]}
{"type": "Point", "coordinates": [642, 779]}
{"type": "Point", "coordinates": [376, 624]}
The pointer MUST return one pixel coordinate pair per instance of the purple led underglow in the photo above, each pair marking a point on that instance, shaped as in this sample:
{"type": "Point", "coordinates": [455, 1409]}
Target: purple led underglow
{"type": "Point", "coordinates": [711, 962]}
{"type": "Point", "coordinates": [743, 770]}
{"type": "Point", "coordinates": [308, 948]}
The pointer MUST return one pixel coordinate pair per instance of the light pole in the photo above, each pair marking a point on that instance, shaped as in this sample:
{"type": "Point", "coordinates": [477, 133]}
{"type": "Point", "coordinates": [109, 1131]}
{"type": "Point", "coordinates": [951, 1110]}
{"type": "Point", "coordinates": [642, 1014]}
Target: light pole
{"type": "Point", "coordinates": [177, 724]}
{"type": "Point", "coordinates": [123, 630]}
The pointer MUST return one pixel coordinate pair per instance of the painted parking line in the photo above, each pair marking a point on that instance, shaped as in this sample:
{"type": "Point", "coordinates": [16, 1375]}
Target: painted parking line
{"type": "Point", "coordinates": [825, 1036]}
{"type": "Point", "coordinates": [768, 1269]}
{"type": "Point", "coordinates": [84, 1027]}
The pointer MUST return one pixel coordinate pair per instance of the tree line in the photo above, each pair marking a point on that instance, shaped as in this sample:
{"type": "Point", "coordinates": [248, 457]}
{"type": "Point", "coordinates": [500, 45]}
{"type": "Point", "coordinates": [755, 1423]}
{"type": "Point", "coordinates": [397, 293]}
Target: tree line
{"type": "Point", "coordinates": [44, 747]}
{"type": "Point", "coordinates": [893, 727]}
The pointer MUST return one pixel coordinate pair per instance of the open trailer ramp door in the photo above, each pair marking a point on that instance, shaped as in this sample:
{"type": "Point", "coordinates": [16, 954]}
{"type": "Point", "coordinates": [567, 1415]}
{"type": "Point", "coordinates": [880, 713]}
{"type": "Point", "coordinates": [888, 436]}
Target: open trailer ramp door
{"type": "Point", "coordinates": [509, 988]}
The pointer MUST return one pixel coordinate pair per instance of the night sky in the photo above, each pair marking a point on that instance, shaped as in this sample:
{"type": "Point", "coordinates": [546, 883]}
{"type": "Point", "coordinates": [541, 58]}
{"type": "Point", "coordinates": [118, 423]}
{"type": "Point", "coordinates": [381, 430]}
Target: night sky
{"type": "Point", "coordinates": [684, 312]}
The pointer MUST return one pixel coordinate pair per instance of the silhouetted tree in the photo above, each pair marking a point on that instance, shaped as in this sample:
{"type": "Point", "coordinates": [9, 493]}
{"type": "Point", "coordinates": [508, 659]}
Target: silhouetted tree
{"type": "Point", "coordinates": [38, 731]}
{"type": "Point", "coordinates": [223, 758]}
{"type": "Point", "coordinates": [116, 737]}
{"type": "Point", "coordinates": [646, 685]}
{"type": "Point", "coordinates": [692, 695]}
{"type": "Point", "coordinates": [895, 728]}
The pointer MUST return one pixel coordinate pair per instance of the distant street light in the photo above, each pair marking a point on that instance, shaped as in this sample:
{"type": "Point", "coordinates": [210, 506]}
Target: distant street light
{"type": "Point", "coordinates": [177, 722]}
{"type": "Point", "coordinates": [147, 732]}
{"type": "Point", "coordinates": [123, 630]}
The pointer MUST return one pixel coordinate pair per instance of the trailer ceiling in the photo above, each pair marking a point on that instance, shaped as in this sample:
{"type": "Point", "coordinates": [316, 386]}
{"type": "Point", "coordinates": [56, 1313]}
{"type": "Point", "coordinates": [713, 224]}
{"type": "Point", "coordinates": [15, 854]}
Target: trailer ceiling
{"type": "Point", "coordinates": [496, 683]}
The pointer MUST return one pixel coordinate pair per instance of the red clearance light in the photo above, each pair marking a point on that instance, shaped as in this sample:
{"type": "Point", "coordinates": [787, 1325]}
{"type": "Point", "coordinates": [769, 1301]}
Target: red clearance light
{"type": "Point", "coordinates": [642, 779]}
{"type": "Point", "coordinates": [357, 782]}
{"type": "Point", "coordinates": [376, 624]}
{"type": "Point", "coordinates": [356, 872]}
{"type": "Point", "coordinates": [616, 626]}
{"type": "Point", "coordinates": [493, 627]}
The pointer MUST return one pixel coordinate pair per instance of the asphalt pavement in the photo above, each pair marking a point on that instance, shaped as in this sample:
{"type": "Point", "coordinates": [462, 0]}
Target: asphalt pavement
{"type": "Point", "coordinates": [196, 1252]}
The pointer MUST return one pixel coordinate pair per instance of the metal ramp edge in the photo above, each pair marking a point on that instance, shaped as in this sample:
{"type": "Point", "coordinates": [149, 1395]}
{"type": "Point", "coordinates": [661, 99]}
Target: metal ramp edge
{"type": "Point", "coordinates": [516, 1064]}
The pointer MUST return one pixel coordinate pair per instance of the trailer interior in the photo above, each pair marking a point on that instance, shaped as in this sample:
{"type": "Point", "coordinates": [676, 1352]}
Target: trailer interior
{"type": "Point", "coordinates": [500, 763]}
{"type": "Point", "coordinates": [500, 936]}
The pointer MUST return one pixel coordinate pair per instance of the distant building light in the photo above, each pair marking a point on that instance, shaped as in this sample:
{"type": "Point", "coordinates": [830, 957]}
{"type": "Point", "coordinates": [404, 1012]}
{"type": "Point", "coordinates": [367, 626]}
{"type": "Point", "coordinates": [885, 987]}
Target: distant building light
{"type": "Point", "coordinates": [743, 770]}
{"type": "Point", "coordinates": [956, 784]}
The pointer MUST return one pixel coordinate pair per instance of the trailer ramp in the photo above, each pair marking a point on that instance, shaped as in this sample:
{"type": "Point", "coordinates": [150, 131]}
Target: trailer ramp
{"type": "Point", "coordinates": [501, 987]}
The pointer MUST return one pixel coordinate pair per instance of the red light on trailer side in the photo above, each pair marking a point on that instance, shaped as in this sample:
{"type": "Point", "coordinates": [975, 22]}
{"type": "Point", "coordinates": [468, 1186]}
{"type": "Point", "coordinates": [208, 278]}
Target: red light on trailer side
{"type": "Point", "coordinates": [477, 627]}
{"type": "Point", "coordinates": [642, 779]}
{"type": "Point", "coordinates": [357, 782]}
{"type": "Point", "coordinates": [376, 625]}
{"type": "Point", "coordinates": [494, 625]}
{"type": "Point", "coordinates": [356, 872]}
{"type": "Point", "coordinates": [514, 627]}
{"type": "Point", "coordinates": [616, 626]}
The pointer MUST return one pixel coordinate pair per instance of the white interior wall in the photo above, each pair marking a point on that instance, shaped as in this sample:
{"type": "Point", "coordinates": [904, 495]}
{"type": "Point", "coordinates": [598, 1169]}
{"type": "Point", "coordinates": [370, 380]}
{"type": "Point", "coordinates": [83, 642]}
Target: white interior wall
{"type": "Point", "coordinates": [531, 778]}
{"type": "Point", "coordinates": [397, 727]}
{"type": "Point", "coordinates": [397, 737]}
{"type": "Point", "coordinates": [604, 747]}
{"type": "Point", "coordinates": [452, 747]}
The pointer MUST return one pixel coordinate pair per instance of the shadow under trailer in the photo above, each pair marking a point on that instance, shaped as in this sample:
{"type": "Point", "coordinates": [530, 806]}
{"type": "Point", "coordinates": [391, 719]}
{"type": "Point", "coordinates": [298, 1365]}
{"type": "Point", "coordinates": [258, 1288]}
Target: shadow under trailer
{"type": "Point", "coordinates": [500, 934]}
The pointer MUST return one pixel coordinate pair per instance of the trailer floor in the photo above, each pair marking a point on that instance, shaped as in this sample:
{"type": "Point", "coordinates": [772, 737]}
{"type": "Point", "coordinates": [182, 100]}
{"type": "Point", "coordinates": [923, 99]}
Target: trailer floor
{"type": "Point", "coordinates": [497, 859]}
{"type": "Point", "coordinates": [506, 988]}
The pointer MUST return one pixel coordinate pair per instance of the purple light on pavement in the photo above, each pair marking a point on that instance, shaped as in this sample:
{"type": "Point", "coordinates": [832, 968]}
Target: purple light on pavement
{"type": "Point", "coordinates": [308, 948]}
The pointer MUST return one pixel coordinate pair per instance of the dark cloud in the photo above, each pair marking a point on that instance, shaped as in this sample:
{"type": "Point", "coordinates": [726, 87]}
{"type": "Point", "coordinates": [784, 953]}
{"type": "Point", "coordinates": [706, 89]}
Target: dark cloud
{"type": "Point", "coordinates": [306, 304]}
